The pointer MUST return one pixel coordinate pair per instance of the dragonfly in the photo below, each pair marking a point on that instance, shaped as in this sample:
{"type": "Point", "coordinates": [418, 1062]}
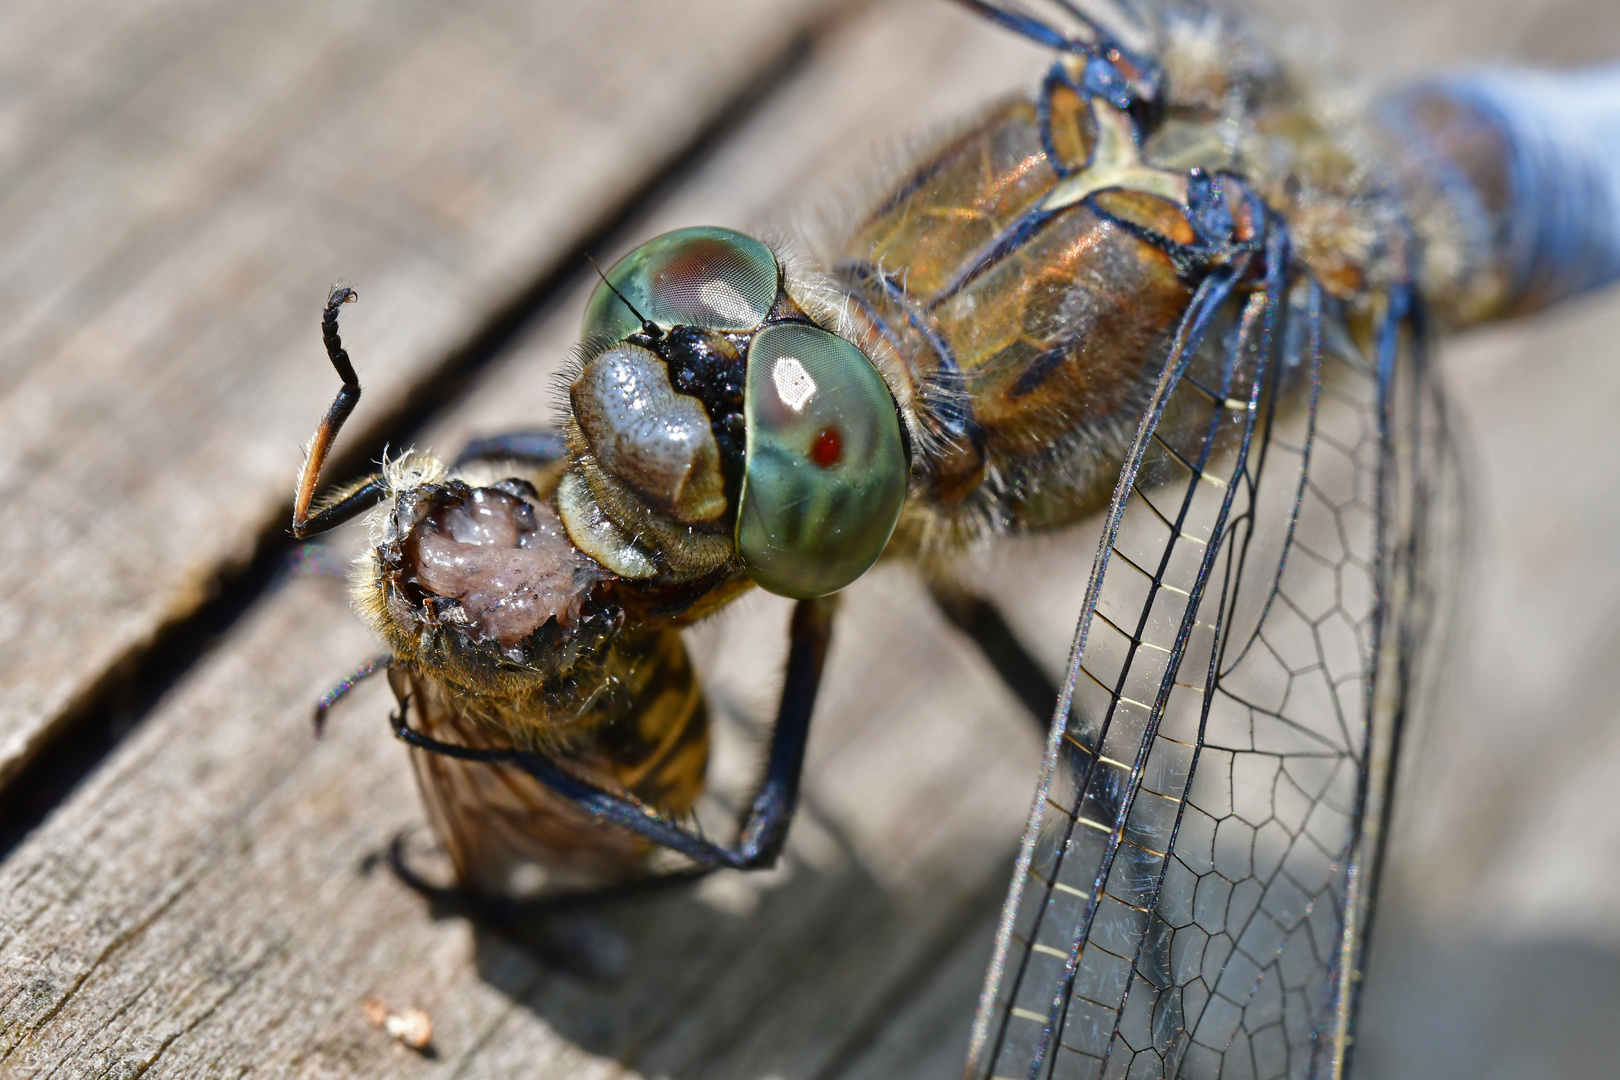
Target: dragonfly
{"type": "Point", "coordinates": [1164, 288]}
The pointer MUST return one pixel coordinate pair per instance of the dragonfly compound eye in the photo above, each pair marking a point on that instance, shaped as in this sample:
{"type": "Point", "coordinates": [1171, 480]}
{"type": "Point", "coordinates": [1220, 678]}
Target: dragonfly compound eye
{"type": "Point", "coordinates": [826, 468]}
{"type": "Point", "coordinates": [704, 277]}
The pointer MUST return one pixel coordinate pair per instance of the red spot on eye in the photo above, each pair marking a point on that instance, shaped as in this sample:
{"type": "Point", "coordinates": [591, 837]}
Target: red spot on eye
{"type": "Point", "coordinates": [828, 449]}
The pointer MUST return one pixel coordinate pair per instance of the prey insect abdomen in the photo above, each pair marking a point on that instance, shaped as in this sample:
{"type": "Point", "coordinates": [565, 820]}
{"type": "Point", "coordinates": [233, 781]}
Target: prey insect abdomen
{"type": "Point", "coordinates": [644, 733]}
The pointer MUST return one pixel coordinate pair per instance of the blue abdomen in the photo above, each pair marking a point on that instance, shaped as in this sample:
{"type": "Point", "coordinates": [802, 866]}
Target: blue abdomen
{"type": "Point", "coordinates": [1513, 184]}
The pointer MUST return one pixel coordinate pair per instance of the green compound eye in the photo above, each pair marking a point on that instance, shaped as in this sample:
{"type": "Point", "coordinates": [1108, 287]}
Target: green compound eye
{"type": "Point", "coordinates": [706, 277]}
{"type": "Point", "coordinates": [826, 468]}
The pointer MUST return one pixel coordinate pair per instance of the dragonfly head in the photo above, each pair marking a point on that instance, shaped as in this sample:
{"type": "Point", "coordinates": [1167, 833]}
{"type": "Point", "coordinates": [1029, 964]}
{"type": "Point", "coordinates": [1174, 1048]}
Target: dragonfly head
{"type": "Point", "coordinates": [715, 424]}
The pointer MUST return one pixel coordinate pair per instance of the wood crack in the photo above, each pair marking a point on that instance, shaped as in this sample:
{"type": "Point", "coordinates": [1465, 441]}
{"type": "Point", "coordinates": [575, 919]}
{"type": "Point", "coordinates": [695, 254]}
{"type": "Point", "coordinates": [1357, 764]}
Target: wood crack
{"type": "Point", "coordinates": [106, 954]}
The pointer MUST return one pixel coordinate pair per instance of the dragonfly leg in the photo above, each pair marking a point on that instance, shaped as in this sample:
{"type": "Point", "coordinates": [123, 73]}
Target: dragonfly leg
{"type": "Point", "coordinates": [764, 826]}
{"type": "Point", "coordinates": [538, 447]}
{"type": "Point", "coordinates": [355, 498]}
{"type": "Point", "coordinates": [984, 624]}
{"type": "Point", "coordinates": [344, 504]}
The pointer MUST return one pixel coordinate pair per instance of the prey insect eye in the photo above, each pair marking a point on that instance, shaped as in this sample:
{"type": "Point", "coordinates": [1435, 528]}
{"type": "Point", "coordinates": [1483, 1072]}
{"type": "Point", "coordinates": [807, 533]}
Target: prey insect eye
{"type": "Point", "coordinates": [826, 467]}
{"type": "Point", "coordinates": [710, 278]}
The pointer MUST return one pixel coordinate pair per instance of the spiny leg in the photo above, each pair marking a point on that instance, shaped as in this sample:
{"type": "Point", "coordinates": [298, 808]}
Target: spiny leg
{"type": "Point", "coordinates": [361, 495]}
{"type": "Point", "coordinates": [984, 624]}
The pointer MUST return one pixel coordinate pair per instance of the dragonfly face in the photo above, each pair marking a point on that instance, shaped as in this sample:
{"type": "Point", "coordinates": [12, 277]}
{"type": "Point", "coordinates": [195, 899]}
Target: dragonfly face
{"type": "Point", "coordinates": [720, 422]}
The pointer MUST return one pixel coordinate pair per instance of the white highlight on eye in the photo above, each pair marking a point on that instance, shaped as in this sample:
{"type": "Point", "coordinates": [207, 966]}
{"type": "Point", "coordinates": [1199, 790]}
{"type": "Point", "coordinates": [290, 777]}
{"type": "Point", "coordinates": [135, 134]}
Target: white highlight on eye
{"type": "Point", "coordinates": [793, 384]}
{"type": "Point", "coordinates": [724, 299]}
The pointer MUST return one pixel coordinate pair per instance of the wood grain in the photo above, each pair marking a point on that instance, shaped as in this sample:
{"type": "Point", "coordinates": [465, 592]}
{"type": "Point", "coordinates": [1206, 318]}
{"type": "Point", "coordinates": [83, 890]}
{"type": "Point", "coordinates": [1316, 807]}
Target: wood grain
{"type": "Point", "coordinates": [204, 905]}
{"type": "Point", "coordinates": [210, 902]}
{"type": "Point", "coordinates": [181, 183]}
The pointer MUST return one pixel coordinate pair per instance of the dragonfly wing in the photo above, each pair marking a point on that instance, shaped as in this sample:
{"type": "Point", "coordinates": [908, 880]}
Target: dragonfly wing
{"type": "Point", "coordinates": [1193, 889]}
{"type": "Point", "coordinates": [1084, 27]}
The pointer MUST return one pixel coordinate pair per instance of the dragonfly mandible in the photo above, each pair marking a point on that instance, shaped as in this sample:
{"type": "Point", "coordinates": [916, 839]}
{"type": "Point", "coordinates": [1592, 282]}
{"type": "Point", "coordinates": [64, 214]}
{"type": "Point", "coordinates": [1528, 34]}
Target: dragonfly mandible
{"type": "Point", "coordinates": [1162, 287]}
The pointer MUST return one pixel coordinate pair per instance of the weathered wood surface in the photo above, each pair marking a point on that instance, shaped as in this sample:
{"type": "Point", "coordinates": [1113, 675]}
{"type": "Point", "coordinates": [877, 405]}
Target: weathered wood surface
{"type": "Point", "coordinates": [208, 904]}
{"type": "Point", "coordinates": [182, 181]}
{"type": "Point", "coordinates": [203, 909]}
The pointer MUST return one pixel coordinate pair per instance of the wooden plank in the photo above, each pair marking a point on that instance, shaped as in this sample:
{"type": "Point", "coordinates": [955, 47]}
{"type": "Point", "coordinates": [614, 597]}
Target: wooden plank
{"type": "Point", "coordinates": [182, 180]}
{"type": "Point", "coordinates": [211, 873]}
{"type": "Point", "coordinates": [203, 906]}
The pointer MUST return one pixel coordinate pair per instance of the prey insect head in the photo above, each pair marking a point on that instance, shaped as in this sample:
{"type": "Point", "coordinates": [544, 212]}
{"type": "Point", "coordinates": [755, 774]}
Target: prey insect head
{"type": "Point", "coordinates": [717, 424]}
{"type": "Point", "coordinates": [470, 574]}
{"type": "Point", "coordinates": [477, 579]}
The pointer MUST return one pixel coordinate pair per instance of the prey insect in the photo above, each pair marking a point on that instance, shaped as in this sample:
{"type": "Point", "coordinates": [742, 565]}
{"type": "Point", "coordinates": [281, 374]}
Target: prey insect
{"type": "Point", "coordinates": [1164, 286]}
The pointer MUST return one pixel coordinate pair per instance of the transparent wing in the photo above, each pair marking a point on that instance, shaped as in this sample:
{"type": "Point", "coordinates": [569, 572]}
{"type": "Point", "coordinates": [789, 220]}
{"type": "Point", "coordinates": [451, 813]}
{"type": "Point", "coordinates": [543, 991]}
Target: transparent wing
{"type": "Point", "coordinates": [1194, 888]}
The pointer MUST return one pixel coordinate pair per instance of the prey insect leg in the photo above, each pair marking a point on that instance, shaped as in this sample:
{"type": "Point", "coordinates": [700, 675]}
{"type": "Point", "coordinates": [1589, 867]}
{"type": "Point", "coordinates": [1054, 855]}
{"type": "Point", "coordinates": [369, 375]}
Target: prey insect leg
{"type": "Point", "coordinates": [984, 624]}
{"type": "Point", "coordinates": [763, 827]}
{"type": "Point", "coordinates": [361, 495]}
{"type": "Point", "coordinates": [340, 691]}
